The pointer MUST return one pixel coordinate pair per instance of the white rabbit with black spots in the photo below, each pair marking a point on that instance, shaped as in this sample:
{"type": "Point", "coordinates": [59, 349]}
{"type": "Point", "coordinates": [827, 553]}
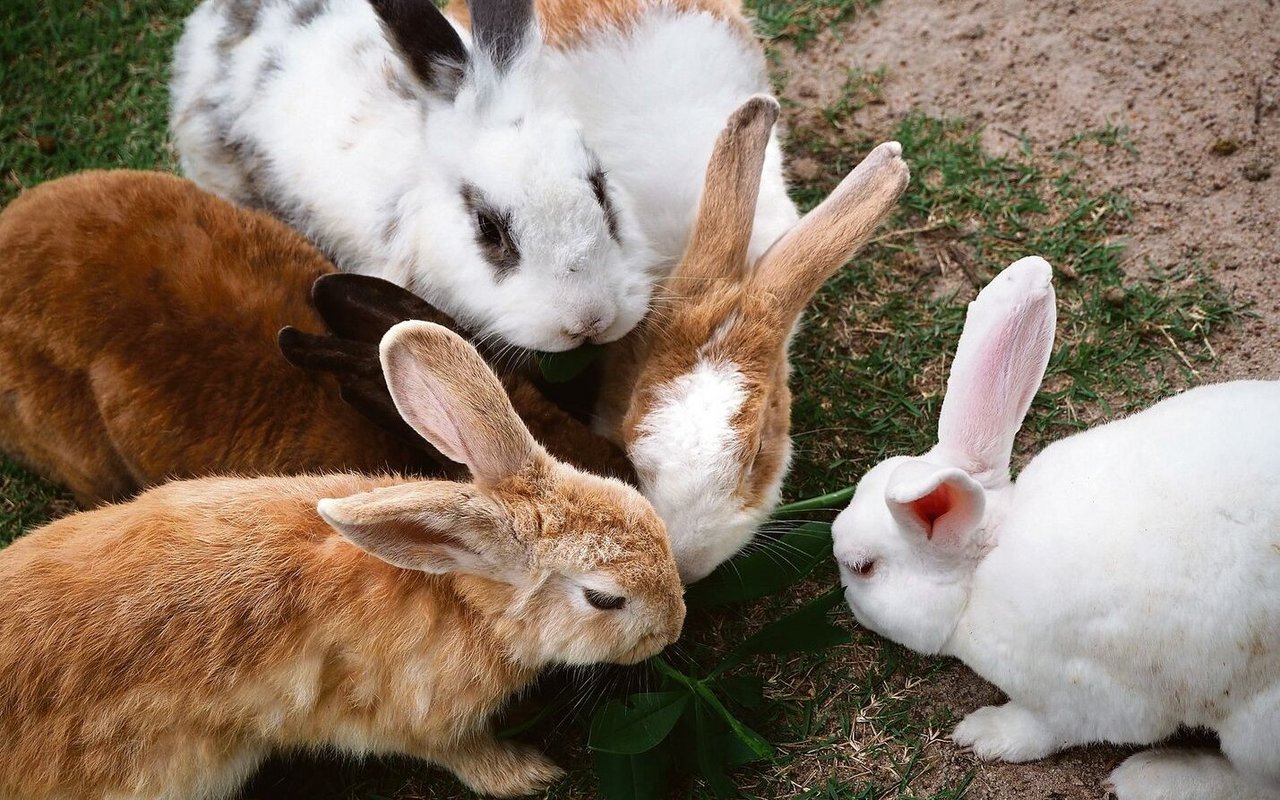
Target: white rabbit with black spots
{"type": "Point", "coordinates": [1127, 584]}
{"type": "Point", "coordinates": [409, 148]}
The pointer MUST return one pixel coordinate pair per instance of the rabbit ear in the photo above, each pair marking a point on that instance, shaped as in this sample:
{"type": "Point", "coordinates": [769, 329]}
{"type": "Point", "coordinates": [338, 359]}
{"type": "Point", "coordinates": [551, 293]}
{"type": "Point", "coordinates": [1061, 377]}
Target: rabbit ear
{"type": "Point", "coordinates": [446, 392]}
{"type": "Point", "coordinates": [435, 527]}
{"type": "Point", "coordinates": [945, 505]}
{"type": "Point", "coordinates": [427, 42]}
{"type": "Point", "coordinates": [999, 364]}
{"type": "Point", "coordinates": [722, 230]}
{"type": "Point", "coordinates": [503, 29]}
{"type": "Point", "coordinates": [796, 266]}
{"type": "Point", "coordinates": [363, 308]}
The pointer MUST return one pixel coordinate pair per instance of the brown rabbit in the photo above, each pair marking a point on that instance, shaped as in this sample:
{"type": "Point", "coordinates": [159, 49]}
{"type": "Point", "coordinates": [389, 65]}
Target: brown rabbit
{"type": "Point", "coordinates": [138, 322]}
{"type": "Point", "coordinates": [163, 647]}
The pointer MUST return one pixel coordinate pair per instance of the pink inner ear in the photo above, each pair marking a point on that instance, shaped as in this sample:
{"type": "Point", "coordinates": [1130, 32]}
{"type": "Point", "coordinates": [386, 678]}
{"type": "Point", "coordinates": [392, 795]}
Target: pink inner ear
{"type": "Point", "coordinates": [932, 506]}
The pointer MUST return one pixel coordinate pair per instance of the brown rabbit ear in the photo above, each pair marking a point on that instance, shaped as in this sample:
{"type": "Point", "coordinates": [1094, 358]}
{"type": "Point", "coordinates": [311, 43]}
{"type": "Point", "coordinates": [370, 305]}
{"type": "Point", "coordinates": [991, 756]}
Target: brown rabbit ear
{"type": "Point", "coordinates": [363, 307]}
{"type": "Point", "coordinates": [795, 267]}
{"type": "Point", "coordinates": [722, 231]}
{"type": "Point", "coordinates": [435, 527]}
{"type": "Point", "coordinates": [328, 353]}
{"type": "Point", "coordinates": [448, 394]}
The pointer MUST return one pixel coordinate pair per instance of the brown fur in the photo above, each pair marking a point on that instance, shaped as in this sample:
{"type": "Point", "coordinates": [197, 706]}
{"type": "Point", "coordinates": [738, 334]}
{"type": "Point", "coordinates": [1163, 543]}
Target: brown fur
{"type": "Point", "coordinates": [138, 321]}
{"type": "Point", "coordinates": [163, 647]}
{"type": "Point", "coordinates": [714, 309]}
{"type": "Point", "coordinates": [569, 23]}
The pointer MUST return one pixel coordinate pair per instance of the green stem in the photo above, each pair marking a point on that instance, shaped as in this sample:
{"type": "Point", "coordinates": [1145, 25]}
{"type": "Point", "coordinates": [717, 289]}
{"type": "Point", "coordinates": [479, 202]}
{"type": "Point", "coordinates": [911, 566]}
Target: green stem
{"type": "Point", "coordinates": [819, 503]}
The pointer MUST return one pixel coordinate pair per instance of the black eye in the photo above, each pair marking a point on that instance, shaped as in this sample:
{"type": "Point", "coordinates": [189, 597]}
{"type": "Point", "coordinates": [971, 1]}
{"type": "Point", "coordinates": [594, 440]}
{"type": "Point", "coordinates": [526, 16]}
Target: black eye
{"type": "Point", "coordinates": [490, 230]}
{"type": "Point", "coordinates": [603, 600]}
{"type": "Point", "coordinates": [864, 569]}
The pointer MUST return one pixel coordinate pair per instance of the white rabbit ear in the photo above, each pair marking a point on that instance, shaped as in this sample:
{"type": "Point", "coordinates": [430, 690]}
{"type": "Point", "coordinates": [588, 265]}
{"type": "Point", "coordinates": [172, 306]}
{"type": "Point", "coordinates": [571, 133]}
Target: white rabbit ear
{"type": "Point", "coordinates": [434, 527]}
{"type": "Point", "coordinates": [943, 504]}
{"type": "Point", "coordinates": [448, 394]}
{"type": "Point", "coordinates": [999, 364]}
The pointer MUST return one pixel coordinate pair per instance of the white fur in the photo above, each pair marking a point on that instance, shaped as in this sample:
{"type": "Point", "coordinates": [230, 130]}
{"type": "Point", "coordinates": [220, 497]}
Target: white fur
{"type": "Point", "coordinates": [375, 178]}
{"type": "Point", "coordinates": [652, 101]}
{"type": "Point", "coordinates": [1129, 583]}
{"type": "Point", "coordinates": [688, 461]}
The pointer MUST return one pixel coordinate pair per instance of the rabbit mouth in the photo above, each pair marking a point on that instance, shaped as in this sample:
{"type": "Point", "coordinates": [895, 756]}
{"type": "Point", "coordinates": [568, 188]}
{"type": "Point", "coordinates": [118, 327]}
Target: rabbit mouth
{"type": "Point", "coordinates": [650, 645]}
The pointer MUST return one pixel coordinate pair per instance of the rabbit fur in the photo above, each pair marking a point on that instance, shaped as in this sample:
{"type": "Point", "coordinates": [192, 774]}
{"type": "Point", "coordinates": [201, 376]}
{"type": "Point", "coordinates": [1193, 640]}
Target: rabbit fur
{"type": "Point", "coordinates": [410, 149]}
{"type": "Point", "coordinates": [138, 343]}
{"type": "Point", "coordinates": [161, 648]}
{"type": "Point", "coordinates": [1126, 585]}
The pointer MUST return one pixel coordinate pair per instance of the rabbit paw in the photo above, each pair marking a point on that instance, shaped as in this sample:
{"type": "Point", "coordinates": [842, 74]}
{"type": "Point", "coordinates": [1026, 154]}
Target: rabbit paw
{"type": "Point", "coordinates": [503, 769]}
{"type": "Point", "coordinates": [1006, 733]}
{"type": "Point", "coordinates": [1176, 774]}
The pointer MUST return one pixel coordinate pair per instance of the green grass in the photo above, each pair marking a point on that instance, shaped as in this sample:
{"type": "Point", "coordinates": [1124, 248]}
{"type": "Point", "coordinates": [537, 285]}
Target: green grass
{"type": "Point", "coordinates": [88, 82]}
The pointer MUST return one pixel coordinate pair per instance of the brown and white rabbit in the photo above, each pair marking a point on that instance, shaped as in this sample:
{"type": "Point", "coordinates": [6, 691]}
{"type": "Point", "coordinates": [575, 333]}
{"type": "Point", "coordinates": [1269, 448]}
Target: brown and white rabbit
{"type": "Point", "coordinates": [163, 647]}
{"type": "Point", "coordinates": [698, 394]}
{"type": "Point", "coordinates": [138, 323]}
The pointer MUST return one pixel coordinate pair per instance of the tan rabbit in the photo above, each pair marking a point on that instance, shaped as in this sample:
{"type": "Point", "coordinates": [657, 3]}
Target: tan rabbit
{"type": "Point", "coordinates": [138, 322]}
{"type": "Point", "coordinates": [698, 394]}
{"type": "Point", "coordinates": [163, 647]}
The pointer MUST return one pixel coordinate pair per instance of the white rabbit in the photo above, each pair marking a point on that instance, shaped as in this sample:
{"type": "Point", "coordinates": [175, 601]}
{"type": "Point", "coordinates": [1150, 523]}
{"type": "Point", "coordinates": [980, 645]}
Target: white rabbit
{"type": "Point", "coordinates": [652, 82]}
{"type": "Point", "coordinates": [1127, 585]}
{"type": "Point", "coordinates": [410, 151]}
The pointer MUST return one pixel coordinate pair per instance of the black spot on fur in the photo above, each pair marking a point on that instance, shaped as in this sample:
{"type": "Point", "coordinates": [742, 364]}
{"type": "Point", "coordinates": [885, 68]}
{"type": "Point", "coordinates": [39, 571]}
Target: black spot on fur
{"type": "Point", "coordinates": [397, 83]}
{"type": "Point", "coordinates": [425, 40]}
{"type": "Point", "coordinates": [242, 19]}
{"type": "Point", "coordinates": [493, 233]}
{"type": "Point", "coordinates": [307, 12]}
{"type": "Point", "coordinates": [500, 27]}
{"type": "Point", "coordinates": [270, 68]}
{"type": "Point", "coordinates": [600, 185]}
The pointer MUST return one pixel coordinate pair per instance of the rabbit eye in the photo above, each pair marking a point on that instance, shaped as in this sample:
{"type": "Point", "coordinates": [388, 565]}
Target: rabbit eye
{"type": "Point", "coordinates": [864, 569]}
{"type": "Point", "coordinates": [490, 230]}
{"type": "Point", "coordinates": [603, 600]}
{"type": "Point", "coordinates": [493, 232]}
{"type": "Point", "coordinates": [600, 187]}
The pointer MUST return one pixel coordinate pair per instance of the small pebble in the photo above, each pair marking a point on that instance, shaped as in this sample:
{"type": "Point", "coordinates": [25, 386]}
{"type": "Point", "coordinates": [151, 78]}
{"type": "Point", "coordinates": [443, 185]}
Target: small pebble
{"type": "Point", "coordinates": [1256, 171]}
{"type": "Point", "coordinates": [47, 144]}
{"type": "Point", "coordinates": [1224, 147]}
{"type": "Point", "coordinates": [1114, 296]}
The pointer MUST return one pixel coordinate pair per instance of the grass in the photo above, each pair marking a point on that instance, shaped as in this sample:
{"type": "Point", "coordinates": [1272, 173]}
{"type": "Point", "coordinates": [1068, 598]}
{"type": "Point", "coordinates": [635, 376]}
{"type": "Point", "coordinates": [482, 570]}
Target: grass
{"type": "Point", "coordinates": [84, 87]}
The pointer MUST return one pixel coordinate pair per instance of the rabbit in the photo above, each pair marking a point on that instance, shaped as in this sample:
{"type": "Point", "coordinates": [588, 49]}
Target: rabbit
{"type": "Point", "coordinates": [138, 343]}
{"type": "Point", "coordinates": [163, 647]}
{"type": "Point", "coordinates": [411, 150]}
{"type": "Point", "coordinates": [697, 396]}
{"type": "Point", "coordinates": [651, 82]}
{"type": "Point", "coordinates": [1127, 584]}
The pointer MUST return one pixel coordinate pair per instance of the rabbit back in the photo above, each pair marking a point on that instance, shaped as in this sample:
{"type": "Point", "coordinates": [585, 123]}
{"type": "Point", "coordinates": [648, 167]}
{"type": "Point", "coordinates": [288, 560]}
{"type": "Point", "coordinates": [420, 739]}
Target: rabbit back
{"type": "Point", "coordinates": [217, 620]}
{"type": "Point", "coordinates": [1136, 581]}
{"type": "Point", "coordinates": [139, 340]}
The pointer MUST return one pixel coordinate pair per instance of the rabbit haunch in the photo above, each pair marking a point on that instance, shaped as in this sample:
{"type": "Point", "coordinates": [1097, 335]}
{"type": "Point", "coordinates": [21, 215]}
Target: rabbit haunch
{"type": "Point", "coordinates": [407, 149]}
{"type": "Point", "coordinates": [1126, 585]}
{"type": "Point", "coordinates": [164, 647]}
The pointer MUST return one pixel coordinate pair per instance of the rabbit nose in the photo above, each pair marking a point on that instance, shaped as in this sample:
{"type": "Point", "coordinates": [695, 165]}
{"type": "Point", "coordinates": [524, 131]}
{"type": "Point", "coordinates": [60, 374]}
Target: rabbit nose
{"type": "Point", "coordinates": [586, 328]}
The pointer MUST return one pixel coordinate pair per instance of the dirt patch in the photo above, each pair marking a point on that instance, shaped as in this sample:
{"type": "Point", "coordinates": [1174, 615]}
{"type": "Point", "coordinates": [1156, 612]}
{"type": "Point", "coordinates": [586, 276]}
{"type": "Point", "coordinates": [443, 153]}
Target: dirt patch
{"type": "Point", "coordinates": [1195, 85]}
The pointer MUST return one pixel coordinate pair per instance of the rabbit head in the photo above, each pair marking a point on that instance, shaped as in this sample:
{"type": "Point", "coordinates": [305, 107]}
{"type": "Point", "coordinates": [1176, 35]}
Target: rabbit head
{"type": "Point", "coordinates": [912, 536]}
{"type": "Point", "coordinates": [566, 567]}
{"type": "Point", "coordinates": [708, 413]}
{"type": "Point", "coordinates": [527, 239]}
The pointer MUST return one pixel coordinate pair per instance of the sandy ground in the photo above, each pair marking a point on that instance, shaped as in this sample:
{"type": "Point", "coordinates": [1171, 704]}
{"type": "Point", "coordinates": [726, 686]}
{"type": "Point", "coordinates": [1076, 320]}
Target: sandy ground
{"type": "Point", "coordinates": [1196, 84]}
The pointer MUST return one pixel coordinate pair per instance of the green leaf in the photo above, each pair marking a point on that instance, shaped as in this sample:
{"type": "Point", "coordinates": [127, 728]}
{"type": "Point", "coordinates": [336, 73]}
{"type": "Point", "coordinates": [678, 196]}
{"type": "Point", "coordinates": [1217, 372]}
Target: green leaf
{"type": "Point", "coordinates": [758, 745]}
{"type": "Point", "coordinates": [713, 758]}
{"type": "Point", "coordinates": [636, 723]}
{"type": "Point", "coordinates": [745, 690]}
{"type": "Point", "coordinates": [806, 629]}
{"type": "Point", "coordinates": [772, 566]}
{"type": "Point", "coordinates": [564, 367]}
{"type": "Point", "coordinates": [824, 502]}
{"type": "Point", "coordinates": [633, 777]}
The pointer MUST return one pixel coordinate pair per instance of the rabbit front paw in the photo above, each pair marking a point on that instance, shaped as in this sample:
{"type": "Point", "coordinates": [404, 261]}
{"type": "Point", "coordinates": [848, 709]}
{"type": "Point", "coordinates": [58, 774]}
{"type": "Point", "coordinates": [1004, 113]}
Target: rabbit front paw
{"type": "Point", "coordinates": [1005, 733]}
{"type": "Point", "coordinates": [501, 768]}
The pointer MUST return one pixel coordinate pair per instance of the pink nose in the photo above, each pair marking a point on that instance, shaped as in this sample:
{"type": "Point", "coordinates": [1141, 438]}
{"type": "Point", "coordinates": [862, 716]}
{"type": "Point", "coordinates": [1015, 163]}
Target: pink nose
{"type": "Point", "coordinates": [587, 328]}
